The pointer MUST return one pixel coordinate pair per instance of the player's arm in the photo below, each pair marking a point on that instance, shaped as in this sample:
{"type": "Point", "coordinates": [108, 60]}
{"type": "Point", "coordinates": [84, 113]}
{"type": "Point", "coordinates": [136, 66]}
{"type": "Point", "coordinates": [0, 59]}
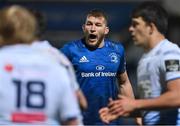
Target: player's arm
{"type": "Point", "coordinates": [81, 99]}
{"type": "Point", "coordinates": [168, 99]}
{"type": "Point", "coordinates": [123, 79]}
{"type": "Point", "coordinates": [126, 90]}
{"type": "Point", "coordinates": [125, 85]}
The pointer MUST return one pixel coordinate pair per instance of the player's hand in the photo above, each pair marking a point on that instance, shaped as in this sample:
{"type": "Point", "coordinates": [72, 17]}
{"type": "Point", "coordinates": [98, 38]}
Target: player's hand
{"type": "Point", "coordinates": [106, 116]}
{"type": "Point", "coordinates": [121, 107]}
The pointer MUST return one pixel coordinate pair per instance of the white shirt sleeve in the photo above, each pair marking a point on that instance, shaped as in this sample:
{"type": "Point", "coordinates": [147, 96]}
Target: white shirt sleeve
{"type": "Point", "coordinates": [171, 64]}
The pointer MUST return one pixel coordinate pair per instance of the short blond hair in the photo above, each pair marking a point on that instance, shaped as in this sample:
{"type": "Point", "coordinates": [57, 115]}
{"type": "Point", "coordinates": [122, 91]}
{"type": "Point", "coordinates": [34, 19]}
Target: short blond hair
{"type": "Point", "coordinates": [17, 25]}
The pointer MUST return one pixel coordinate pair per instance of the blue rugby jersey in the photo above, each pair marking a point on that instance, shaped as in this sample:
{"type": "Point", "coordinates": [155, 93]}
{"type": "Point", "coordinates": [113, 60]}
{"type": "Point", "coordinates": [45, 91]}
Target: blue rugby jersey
{"type": "Point", "coordinates": [96, 72]}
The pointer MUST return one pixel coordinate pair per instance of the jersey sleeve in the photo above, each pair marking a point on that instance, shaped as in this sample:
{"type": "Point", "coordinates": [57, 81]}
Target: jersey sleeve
{"type": "Point", "coordinates": [171, 64]}
{"type": "Point", "coordinates": [66, 50]}
{"type": "Point", "coordinates": [122, 65]}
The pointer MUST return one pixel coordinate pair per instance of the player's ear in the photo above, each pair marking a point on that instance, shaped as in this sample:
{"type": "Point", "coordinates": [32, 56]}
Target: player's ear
{"type": "Point", "coordinates": [151, 28]}
{"type": "Point", "coordinates": [106, 30]}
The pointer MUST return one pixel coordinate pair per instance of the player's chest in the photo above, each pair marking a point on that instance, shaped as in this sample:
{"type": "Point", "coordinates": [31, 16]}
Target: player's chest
{"type": "Point", "coordinates": [96, 61]}
{"type": "Point", "coordinates": [149, 64]}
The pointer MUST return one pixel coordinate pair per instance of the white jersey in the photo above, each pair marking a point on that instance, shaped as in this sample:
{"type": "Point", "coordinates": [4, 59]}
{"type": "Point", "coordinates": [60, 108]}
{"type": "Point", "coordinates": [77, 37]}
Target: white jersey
{"type": "Point", "coordinates": [34, 88]}
{"type": "Point", "coordinates": [155, 69]}
{"type": "Point", "coordinates": [60, 57]}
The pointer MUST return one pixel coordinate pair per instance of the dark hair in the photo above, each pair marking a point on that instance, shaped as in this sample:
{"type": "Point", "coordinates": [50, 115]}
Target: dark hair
{"type": "Point", "coordinates": [98, 13]}
{"type": "Point", "coordinates": [152, 12]}
{"type": "Point", "coordinates": [41, 22]}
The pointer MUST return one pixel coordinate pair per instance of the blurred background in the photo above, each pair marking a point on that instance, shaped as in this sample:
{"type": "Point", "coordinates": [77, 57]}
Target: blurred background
{"type": "Point", "coordinates": [65, 18]}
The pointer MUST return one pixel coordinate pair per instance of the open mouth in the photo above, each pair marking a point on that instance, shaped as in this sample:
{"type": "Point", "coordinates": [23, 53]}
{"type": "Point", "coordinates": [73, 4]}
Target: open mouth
{"type": "Point", "coordinates": [92, 37]}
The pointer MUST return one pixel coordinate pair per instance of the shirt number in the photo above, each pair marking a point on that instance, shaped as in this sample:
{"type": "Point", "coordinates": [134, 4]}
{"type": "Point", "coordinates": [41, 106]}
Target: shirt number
{"type": "Point", "coordinates": [32, 91]}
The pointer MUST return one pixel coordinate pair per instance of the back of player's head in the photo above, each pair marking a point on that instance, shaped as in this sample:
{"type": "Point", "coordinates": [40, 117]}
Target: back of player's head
{"type": "Point", "coordinates": [17, 25]}
{"type": "Point", "coordinates": [152, 12]}
{"type": "Point", "coordinates": [98, 13]}
{"type": "Point", "coordinates": [41, 23]}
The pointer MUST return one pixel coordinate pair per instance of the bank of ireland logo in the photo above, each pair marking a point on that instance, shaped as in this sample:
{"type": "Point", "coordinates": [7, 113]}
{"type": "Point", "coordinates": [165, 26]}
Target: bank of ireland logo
{"type": "Point", "coordinates": [114, 57]}
{"type": "Point", "coordinates": [100, 67]}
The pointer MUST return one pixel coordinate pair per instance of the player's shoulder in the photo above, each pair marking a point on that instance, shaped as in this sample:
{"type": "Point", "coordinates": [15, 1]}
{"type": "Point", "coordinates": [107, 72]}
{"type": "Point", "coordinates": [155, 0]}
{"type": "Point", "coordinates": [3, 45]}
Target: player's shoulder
{"type": "Point", "coordinates": [172, 46]}
{"type": "Point", "coordinates": [58, 55]}
{"type": "Point", "coordinates": [20, 52]}
{"type": "Point", "coordinates": [114, 45]}
{"type": "Point", "coordinates": [169, 48]}
{"type": "Point", "coordinates": [63, 59]}
{"type": "Point", "coordinates": [16, 49]}
{"type": "Point", "coordinates": [41, 44]}
{"type": "Point", "coordinates": [74, 44]}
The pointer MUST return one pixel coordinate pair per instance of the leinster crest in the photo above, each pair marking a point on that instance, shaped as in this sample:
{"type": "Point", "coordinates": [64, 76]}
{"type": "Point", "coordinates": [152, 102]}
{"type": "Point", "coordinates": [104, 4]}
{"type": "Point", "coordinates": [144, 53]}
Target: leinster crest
{"type": "Point", "coordinates": [114, 57]}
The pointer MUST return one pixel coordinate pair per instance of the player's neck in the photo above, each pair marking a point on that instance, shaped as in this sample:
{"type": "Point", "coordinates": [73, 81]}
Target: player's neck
{"type": "Point", "coordinates": [101, 44]}
{"type": "Point", "coordinates": [154, 41]}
